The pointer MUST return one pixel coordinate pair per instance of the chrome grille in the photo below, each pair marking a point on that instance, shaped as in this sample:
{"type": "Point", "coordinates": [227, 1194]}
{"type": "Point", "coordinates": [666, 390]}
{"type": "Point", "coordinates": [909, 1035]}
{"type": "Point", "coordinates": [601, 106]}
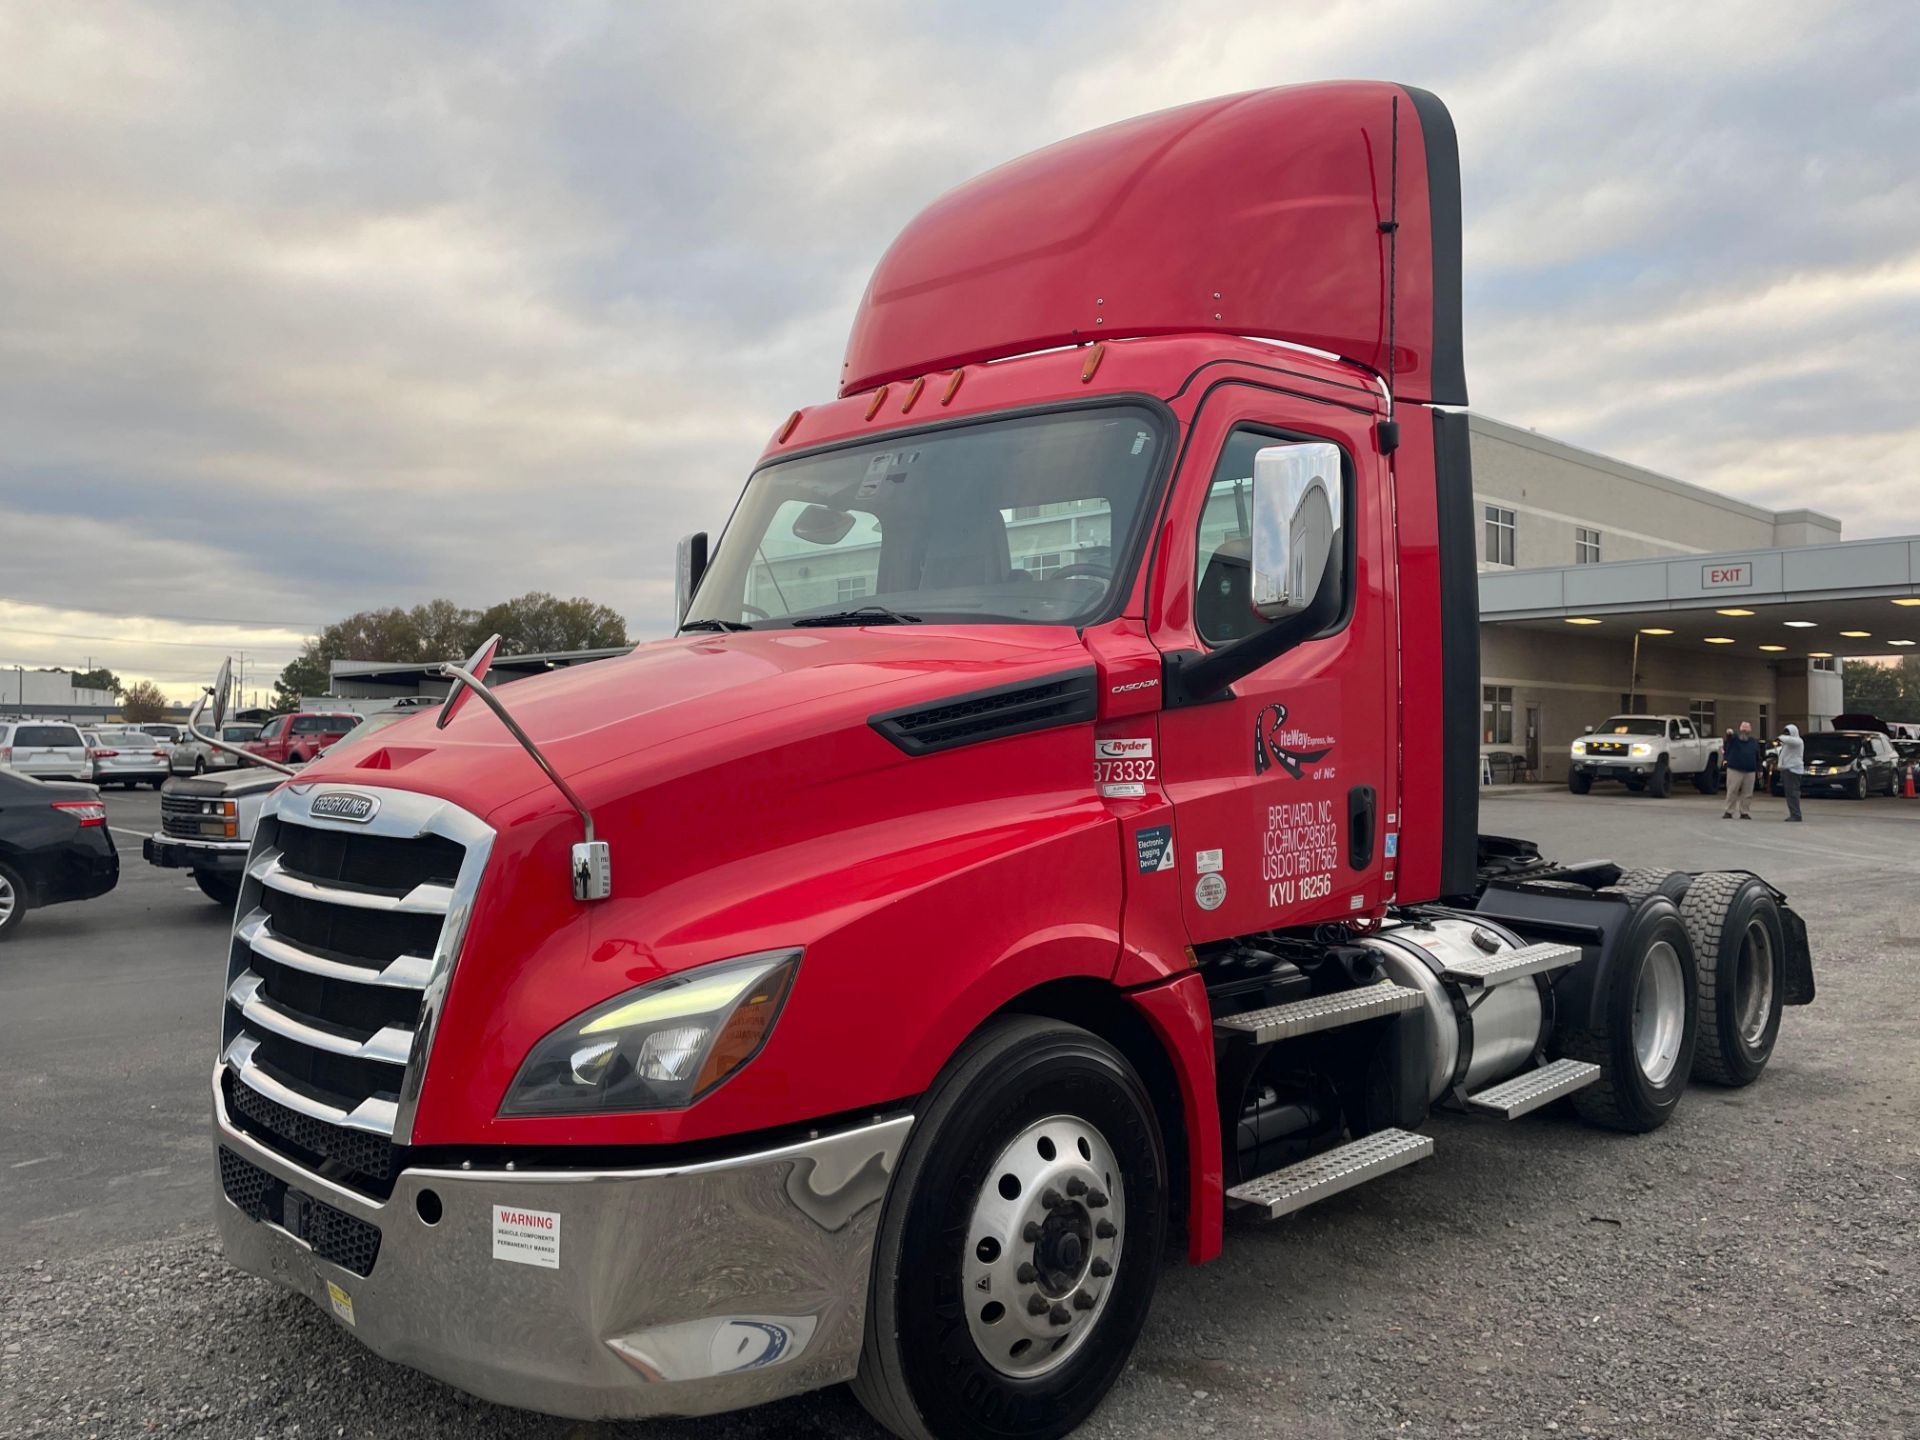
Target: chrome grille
{"type": "Point", "coordinates": [181, 818]}
{"type": "Point", "coordinates": [345, 939]}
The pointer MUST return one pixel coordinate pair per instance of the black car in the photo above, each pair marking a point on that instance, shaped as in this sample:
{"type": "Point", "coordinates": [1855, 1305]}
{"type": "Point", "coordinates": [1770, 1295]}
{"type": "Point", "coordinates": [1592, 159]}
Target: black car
{"type": "Point", "coordinates": [54, 846]}
{"type": "Point", "coordinates": [1854, 763]}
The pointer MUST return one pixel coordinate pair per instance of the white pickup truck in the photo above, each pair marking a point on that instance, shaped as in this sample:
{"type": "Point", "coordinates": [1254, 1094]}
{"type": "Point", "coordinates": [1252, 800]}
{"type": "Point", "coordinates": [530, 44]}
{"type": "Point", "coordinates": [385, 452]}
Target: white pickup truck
{"type": "Point", "coordinates": [1647, 752]}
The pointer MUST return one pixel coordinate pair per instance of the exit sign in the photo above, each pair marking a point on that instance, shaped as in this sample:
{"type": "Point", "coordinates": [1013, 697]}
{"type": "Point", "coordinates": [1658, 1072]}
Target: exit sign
{"type": "Point", "coordinates": [1737, 575]}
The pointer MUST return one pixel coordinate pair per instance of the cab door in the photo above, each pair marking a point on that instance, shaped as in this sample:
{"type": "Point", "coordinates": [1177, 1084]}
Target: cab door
{"type": "Point", "coordinates": [1285, 788]}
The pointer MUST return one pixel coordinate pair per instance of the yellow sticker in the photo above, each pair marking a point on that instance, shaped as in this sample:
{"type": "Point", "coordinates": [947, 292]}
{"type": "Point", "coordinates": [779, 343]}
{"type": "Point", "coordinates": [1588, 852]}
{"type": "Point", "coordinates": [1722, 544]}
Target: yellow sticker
{"type": "Point", "coordinates": [342, 1302]}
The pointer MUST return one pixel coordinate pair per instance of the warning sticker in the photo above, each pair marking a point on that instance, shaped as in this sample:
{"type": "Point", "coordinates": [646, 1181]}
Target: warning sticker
{"type": "Point", "coordinates": [1209, 862]}
{"type": "Point", "coordinates": [342, 1302]}
{"type": "Point", "coordinates": [526, 1237]}
{"type": "Point", "coordinates": [1153, 847]}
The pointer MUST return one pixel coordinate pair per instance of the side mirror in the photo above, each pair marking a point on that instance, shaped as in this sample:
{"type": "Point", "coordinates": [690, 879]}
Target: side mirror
{"type": "Point", "coordinates": [1589, 729]}
{"type": "Point", "coordinates": [690, 563]}
{"type": "Point", "coordinates": [222, 690]}
{"type": "Point", "coordinates": [1299, 510]}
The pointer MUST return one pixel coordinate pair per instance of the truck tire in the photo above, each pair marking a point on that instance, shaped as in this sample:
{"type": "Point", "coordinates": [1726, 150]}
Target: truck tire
{"type": "Point", "coordinates": [221, 889]}
{"type": "Point", "coordinates": [1035, 1129]}
{"type": "Point", "coordinates": [1740, 950]}
{"type": "Point", "coordinates": [13, 902]}
{"type": "Point", "coordinates": [1708, 780]}
{"type": "Point", "coordinates": [1638, 884]}
{"type": "Point", "coordinates": [1648, 1027]}
{"type": "Point", "coordinates": [1660, 786]}
{"type": "Point", "coordinates": [1578, 782]}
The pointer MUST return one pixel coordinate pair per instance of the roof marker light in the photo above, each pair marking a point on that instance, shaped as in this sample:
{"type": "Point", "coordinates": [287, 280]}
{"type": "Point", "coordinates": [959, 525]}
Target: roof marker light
{"type": "Point", "coordinates": [913, 394]}
{"type": "Point", "coordinates": [1094, 357]}
{"type": "Point", "coordinates": [879, 399]}
{"type": "Point", "coordinates": [953, 389]}
{"type": "Point", "coordinates": [787, 429]}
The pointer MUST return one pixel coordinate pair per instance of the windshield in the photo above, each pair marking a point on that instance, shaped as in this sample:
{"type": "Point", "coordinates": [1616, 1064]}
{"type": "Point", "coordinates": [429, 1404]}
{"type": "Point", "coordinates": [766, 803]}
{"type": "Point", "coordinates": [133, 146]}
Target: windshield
{"type": "Point", "coordinates": [1012, 520]}
{"type": "Point", "coordinates": [1837, 747]}
{"type": "Point", "coordinates": [1632, 725]}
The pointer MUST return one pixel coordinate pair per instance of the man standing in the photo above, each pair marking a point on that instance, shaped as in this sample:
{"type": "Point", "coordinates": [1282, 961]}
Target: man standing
{"type": "Point", "coordinates": [1793, 756]}
{"type": "Point", "coordinates": [1742, 759]}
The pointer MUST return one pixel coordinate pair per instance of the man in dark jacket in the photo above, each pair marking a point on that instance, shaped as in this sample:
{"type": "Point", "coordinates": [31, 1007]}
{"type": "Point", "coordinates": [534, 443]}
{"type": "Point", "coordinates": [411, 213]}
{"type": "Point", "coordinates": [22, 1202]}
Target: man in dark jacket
{"type": "Point", "coordinates": [1742, 760]}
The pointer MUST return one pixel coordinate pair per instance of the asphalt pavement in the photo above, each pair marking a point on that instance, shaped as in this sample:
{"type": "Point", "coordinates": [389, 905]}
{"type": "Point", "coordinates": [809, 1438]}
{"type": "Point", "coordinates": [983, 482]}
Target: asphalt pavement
{"type": "Point", "coordinates": [1750, 1270]}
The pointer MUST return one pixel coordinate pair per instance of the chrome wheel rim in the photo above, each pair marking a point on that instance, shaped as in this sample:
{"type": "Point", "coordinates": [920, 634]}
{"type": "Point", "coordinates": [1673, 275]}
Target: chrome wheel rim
{"type": "Point", "coordinates": [8, 900]}
{"type": "Point", "coordinates": [1043, 1246]}
{"type": "Point", "coordinates": [1659, 1012]}
{"type": "Point", "coordinates": [1753, 995]}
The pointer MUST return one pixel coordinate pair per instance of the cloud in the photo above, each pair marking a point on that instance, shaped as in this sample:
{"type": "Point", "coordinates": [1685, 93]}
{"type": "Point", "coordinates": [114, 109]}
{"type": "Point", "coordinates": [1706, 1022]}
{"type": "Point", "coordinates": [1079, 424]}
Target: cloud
{"type": "Point", "coordinates": [309, 309]}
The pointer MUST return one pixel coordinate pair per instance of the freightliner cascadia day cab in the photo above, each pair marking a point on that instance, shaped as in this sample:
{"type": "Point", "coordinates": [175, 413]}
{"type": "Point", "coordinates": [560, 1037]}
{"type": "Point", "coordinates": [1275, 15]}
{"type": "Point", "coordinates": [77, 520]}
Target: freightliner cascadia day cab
{"type": "Point", "coordinates": [1054, 826]}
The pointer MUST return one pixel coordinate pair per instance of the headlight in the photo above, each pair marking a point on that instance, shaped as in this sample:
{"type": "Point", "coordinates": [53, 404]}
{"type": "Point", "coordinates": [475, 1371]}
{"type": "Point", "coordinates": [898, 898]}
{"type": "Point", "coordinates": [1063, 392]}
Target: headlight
{"type": "Point", "coordinates": [1579, 747]}
{"type": "Point", "coordinates": [660, 1047]}
{"type": "Point", "coordinates": [1643, 750]}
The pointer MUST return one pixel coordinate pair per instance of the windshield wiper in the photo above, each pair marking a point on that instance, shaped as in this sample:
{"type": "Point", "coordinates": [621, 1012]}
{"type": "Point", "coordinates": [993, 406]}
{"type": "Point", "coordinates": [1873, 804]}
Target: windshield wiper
{"type": "Point", "coordinates": [727, 625]}
{"type": "Point", "coordinates": [865, 615]}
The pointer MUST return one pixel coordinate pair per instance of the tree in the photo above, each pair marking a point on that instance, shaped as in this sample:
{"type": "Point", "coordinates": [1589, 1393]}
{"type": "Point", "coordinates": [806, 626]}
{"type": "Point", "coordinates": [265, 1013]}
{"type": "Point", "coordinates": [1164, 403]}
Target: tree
{"type": "Point", "coordinates": [143, 702]}
{"type": "Point", "coordinates": [101, 679]}
{"type": "Point", "coordinates": [537, 622]}
{"type": "Point", "coordinates": [1879, 689]}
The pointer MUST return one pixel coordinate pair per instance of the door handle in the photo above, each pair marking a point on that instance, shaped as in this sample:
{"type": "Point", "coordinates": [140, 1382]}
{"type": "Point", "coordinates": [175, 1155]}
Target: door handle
{"type": "Point", "coordinates": [1360, 808]}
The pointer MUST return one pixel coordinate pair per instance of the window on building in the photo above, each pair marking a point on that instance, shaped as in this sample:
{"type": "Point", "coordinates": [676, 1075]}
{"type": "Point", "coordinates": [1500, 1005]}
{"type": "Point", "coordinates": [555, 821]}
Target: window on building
{"type": "Point", "coordinates": [1703, 713]}
{"type": "Point", "coordinates": [1496, 714]}
{"type": "Point", "coordinates": [850, 587]}
{"type": "Point", "coordinates": [1586, 546]}
{"type": "Point", "coordinates": [1632, 704]}
{"type": "Point", "coordinates": [1825, 662]}
{"type": "Point", "coordinates": [1499, 548]}
{"type": "Point", "coordinates": [1039, 566]}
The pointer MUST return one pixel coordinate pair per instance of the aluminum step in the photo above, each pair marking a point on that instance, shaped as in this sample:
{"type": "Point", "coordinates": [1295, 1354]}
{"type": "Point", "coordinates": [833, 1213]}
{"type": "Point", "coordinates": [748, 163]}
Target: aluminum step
{"type": "Point", "coordinates": [1283, 1191]}
{"type": "Point", "coordinates": [1505, 965]}
{"type": "Point", "coordinates": [1321, 1012]}
{"type": "Point", "coordinates": [1531, 1089]}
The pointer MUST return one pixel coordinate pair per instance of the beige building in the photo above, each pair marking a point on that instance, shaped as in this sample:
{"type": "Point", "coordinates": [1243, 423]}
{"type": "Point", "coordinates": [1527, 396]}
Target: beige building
{"type": "Point", "coordinates": [1607, 588]}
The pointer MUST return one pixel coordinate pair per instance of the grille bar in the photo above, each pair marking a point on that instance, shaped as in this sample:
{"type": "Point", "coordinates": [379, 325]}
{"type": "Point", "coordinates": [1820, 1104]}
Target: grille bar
{"type": "Point", "coordinates": [421, 900]}
{"type": "Point", "coordinates": [408, 972]}
{"type": "Point", "coordinates": [389, 1045]}
{"type": "Point", "coordinates": [374, 1115]}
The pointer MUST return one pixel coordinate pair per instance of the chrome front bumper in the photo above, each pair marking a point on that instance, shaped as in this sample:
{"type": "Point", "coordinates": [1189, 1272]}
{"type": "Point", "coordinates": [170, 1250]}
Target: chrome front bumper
{"type": "Point", "coordinates": [682, 1290]}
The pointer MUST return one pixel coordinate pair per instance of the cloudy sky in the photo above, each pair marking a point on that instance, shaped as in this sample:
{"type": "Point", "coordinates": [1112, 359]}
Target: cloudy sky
{"type": "Point", "coordinates": [309, 308]}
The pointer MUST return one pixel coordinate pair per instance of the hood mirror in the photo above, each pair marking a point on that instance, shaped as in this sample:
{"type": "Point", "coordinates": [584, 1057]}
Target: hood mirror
{"type": "Point", "coordinates": [820, 525]}
{"type": "Point", "coordinates": [462, 691]}
{"type": "Point", "coordinates": [222, 691]}
{"type": "Point", "coordinates": [1299, 517]}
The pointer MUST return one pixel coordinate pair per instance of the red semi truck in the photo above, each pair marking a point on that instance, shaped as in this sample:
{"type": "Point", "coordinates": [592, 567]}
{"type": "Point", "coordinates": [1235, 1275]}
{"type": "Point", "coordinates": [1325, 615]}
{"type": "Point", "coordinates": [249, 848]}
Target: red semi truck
{"type": "Point", "coordinates": [1054, 826]}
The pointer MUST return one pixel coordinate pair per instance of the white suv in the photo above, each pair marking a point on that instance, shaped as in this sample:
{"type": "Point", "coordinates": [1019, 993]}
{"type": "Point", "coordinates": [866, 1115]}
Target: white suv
{"type": "Point", "coordinates": [45, 749]}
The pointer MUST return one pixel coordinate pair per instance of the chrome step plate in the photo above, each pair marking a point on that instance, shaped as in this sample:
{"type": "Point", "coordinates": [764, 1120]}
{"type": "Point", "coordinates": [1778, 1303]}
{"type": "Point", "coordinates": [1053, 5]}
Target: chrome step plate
{"type": "Point", "coordinates": [1331, 1171]}
{"type": "Point", "coordinates": [1505, 965]}
{"type": "Point", "coordinates": [1322, 1012]}
{"type": "Point", "coordinates": [1531, 1089]}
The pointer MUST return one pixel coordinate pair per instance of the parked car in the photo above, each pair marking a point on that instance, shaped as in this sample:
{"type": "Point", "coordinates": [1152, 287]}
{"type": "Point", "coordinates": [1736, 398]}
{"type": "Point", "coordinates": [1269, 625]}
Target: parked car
{"type": "Point", "coordinates": [1853, 763]}
{"type": "Point", "coordinates": [1646, 752]}
{"type": "Point", "coordinates": [129, 758]}
{"type": "Point", "coordinates": [45, 749]}
{"type": "Point", "coordinates": [163, 729]}
{"type": "Point", "coordinates": [296, 738]}
{"type": "Point", "coordinates": [54, 846]}
{"type": "Point", "coordinates": [192, 757]}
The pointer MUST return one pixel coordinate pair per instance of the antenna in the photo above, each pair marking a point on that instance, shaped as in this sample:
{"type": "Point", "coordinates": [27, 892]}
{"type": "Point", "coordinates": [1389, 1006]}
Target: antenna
{"type": "Point", "coordinates": [1389, 429]}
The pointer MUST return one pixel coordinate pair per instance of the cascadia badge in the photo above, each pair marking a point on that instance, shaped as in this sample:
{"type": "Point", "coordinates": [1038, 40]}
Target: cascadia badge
{"type": "Point", "coordinates": [343, 805]}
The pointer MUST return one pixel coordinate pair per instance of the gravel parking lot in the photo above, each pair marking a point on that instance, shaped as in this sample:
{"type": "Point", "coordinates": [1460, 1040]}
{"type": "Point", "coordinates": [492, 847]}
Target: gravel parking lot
{"type": "Point", "coordinates": [1751, 1270]}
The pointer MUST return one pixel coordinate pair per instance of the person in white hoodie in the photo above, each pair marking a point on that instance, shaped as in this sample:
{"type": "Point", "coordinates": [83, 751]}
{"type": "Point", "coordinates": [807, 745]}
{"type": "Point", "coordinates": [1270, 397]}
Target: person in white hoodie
{"type": "Point", "coordinates": [1793, 764]}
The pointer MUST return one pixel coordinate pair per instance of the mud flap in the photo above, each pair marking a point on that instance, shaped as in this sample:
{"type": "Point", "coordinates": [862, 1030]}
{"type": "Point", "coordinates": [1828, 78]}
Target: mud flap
{"type": "Point", "coordinates": [1799, 961]}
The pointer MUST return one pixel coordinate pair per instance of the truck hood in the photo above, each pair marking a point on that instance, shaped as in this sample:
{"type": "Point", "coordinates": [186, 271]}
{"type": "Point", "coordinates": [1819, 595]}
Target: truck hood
{"type": "Point", "coordinates": [688, 703]}
{"type": "Point", "coordinates": [229, 784]}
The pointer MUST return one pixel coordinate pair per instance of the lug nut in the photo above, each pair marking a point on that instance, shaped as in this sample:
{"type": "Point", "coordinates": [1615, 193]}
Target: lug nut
{"type": "Point", "coordinates": [1059, 1315]}
{"type": "Point", "coordinates": [1051, 1200]}
{"type": "Point", "coordinates": [1076, 1186]}
{"type": "Point", "coordinates": [1032, 1231]}
{"type": "Point", "coordinates": [1037, 1305]}
{"type": "Point", "coordinates": [1100, 1269]}
{"type": "Point", "coordinates": [1082, 1300]}
{"type": "Point", "coordinates": [1104, 1230]}
{"type": "Point", "coordinates": [1096, 1199]}
{"type": "Point", "coordinates": [1026, 1274]}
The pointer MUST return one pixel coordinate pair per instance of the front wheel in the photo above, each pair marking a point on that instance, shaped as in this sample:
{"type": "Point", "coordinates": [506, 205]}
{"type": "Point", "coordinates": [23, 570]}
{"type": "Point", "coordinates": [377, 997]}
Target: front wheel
{"type": "Point", "coordinates": [13, 902]}
{"type": "Point", "coordinates": [1661, 785]}
{"type": "Point", "coordinates": [1858, 790]}
{"type": "Point", "coordinates": [1021, 1240]}
{"type": "Point", "coordinates": [221, 889]}
{"type": "Point", "coordinates": [1579, 782]}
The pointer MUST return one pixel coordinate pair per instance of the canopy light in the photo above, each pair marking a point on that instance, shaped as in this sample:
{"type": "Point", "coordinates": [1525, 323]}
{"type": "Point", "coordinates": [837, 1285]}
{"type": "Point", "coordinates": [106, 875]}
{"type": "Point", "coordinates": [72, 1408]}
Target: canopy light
{"type": "Point", "coordinates": [1857, 634]}
{"type": "Point", "coordinates": [1798, 624]}
{"type": "Point", "coordinates": [1733, 612]}
{"type": "Point", "coordinates": [1581, 620]}
{"type": "Point", "coordinates": [1775, 648]}
{"type": "Point", "coordinates": [1910, 600]}
{"type": "Point", "coordinates": [1899, 642]}
{"type": "Point", "coordinates": [1820, 654]}
{"type": "Point", "coordinates": [1719, 640]}
{"type": "Point", "coordinates": [1655, 630]}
